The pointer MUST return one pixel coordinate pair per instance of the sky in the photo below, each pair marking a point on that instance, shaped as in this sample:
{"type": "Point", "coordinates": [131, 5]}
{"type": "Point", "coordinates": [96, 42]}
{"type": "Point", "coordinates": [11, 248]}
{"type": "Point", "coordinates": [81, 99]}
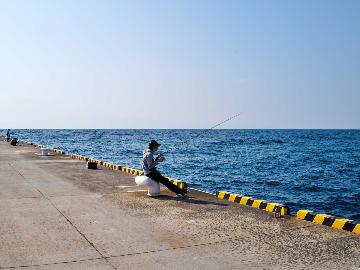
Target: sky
{"type": "Point", "coordinates": [179, 64]}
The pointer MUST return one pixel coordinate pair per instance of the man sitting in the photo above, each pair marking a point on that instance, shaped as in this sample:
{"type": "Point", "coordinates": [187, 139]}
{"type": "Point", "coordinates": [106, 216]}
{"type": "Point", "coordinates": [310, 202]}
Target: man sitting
{"type": "Point", "coordinates": [149, 167]}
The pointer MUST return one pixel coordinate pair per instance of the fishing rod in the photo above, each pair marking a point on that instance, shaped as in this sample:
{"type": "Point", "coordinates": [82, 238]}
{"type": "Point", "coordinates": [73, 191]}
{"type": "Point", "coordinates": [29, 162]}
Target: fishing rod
{"type": "Point", "coordinates": [198, 135]}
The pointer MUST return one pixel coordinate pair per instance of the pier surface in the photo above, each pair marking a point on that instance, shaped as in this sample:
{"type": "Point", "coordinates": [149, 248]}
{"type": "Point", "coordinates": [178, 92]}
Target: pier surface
{"type": "Point", "coordinates": [56, 214]}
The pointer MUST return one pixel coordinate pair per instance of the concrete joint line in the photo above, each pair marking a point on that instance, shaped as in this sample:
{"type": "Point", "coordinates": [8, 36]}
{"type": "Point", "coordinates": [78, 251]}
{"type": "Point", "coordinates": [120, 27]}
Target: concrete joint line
{"type": "Point", "coordinates": [66, 218]}
{"type": "Point", "coordinates": [54, 263]}
{"type": "Point", "coordinates": [175, 248]}
{"type": "Point", "coordinates": [105, 258]}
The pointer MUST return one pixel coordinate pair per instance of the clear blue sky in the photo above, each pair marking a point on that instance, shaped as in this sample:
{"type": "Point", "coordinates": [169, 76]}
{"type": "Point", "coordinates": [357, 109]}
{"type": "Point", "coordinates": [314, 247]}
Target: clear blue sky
{"type": "Point", "coordinates": [179, 64]}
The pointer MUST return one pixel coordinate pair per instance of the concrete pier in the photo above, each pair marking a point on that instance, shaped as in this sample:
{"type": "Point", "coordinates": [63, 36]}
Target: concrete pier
{"type": "Point", "coordinates": [56, 214]}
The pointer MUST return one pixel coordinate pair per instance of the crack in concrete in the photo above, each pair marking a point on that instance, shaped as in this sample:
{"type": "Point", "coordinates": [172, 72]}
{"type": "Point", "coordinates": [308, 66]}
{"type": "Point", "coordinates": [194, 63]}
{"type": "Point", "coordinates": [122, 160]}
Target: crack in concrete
{"type": "Point", "coordinates": [66, 218]}
{"type": "Point", "coordinates": [125, 254]}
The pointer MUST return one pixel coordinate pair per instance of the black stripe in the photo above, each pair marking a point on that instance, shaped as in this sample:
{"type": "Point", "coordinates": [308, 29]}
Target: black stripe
{"type": "Point", "coordinates": [217, 194]}
{"type": "Point", "coordinates": [237, 199]}
{"type": "Point", "coordinates": [250, 202]}
{"type": "Point", "coordinates": [226, 196]}
{"type": "Point", "coordinates": [349, 226]}
{"type": "Point", "coordinates": [287, 210]}
{"type": "Point", "coordinates": [310, 217]}
{"type": "Point", "coordinates": [263, 205]}
{"type": "Point", "coordinates": [328, 221]}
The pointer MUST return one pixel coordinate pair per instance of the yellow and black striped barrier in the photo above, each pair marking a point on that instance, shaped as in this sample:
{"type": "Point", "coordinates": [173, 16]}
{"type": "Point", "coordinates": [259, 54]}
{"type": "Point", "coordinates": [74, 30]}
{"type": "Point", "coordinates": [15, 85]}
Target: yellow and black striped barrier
{"type": "Point", "coordinates": [61, 152]}
{"type": "Point", "coordinates": [79, 157]}
{"type": "Point", "coordinates": [180, 184]}
{"type": "Point", "coordinates": [131, 171]}
{"type": "Point", "coordinates": [275, 208]}
{"type": "Point", "coordinates": [38, 145]}
{"type": "Point", "coordinates": [328, 220]}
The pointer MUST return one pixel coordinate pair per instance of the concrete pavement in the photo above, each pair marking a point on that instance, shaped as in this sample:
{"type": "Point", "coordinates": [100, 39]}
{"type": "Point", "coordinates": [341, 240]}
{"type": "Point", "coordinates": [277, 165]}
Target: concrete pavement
{"type": "Point", "coordinates": [56, 214]}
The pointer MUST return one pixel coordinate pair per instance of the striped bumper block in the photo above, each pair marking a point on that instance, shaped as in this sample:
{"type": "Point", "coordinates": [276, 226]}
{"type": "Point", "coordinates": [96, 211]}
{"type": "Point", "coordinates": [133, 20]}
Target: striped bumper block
{"type": "Point", "coordinates": [260, 204]}
{"type": "Point", "coordinates": [58, 151]}
{"type": "Point", "coordinates": [131, 171]}
{"type": "Point", "coordinates": [79, 157]}
{"type": "Point", "coordinates": [328, 220]}
{"type": "Point", "coordinates": [38, 145]}
{"type": "Point", "coordinates": [178, 183]}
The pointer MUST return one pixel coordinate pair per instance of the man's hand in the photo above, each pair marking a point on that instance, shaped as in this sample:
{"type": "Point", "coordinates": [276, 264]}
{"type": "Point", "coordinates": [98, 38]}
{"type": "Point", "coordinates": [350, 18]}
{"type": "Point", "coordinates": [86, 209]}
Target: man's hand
{"type": "Point", "coordinates": [160, 158]}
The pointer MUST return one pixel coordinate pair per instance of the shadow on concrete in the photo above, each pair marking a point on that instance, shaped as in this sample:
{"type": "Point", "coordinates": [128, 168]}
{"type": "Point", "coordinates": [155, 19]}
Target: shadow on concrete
{"type": "Point", "coordinates": [187, 200]}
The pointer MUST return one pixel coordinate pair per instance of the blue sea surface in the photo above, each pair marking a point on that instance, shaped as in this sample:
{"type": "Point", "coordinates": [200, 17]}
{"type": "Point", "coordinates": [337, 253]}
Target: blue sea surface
{"type": "Point", "coordinates": [305, 169]}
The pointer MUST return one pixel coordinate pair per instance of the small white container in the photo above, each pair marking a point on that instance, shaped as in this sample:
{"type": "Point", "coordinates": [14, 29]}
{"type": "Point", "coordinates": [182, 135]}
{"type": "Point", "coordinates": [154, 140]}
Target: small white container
{"type": "Point", "coordinates": [44, 151]}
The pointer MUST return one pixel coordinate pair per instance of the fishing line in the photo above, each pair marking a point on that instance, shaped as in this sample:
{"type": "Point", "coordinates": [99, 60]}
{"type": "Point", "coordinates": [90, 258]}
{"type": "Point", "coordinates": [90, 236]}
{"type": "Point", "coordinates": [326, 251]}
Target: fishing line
{"type": "Point", "coordinates": [200, 134]}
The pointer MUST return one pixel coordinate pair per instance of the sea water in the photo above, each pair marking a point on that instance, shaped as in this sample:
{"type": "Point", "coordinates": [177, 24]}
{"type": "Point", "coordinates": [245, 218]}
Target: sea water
{"type": "Point", "coordinates": [305, 169]}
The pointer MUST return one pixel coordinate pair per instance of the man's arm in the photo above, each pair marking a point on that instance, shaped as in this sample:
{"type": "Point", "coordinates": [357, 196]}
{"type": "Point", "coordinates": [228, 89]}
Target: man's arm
{"type": "Point", "coordinates": [151, 163]}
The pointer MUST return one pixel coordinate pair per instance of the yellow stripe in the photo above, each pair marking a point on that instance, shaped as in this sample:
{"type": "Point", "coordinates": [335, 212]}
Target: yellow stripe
{"type": "Point", "coordinates": [302, 213]}
{"type": "Point", "coordinates": [319, 218]}
{"type": "Point", "coordinates": [284, 211]}
{"type": "Point", "coordinates": [232, 197]}
{"type": "Point", "coordinates": [244, 200]}
{"type": "Point", "coordinates": [270, 207]}
{"type": "Point", "coordinates": [357, 229]}
{"type": "Point", "coordinates": [339, 223]}
{"type": "Point", "coordinates": [257, 203]}
{"type": "Point", "coordinates": [222, 194]}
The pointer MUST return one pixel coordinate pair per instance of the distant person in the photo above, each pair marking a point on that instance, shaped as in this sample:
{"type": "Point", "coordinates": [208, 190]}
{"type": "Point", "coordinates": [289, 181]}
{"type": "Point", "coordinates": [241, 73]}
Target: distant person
{"type": "Point", "coordinates": [149, 167]}
{"type": "Point", "coordinates": [7, 138]}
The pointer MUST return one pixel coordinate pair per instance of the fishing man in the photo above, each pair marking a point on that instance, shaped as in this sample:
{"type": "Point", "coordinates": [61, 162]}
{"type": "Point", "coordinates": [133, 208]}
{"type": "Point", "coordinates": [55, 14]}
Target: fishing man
{"type": "Point", "coordinates": [149, 167]}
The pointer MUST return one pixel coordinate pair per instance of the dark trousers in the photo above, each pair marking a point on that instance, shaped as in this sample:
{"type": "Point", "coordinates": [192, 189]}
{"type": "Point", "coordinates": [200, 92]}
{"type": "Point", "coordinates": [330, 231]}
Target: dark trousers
{"type": "Point", "coordinates": [156, 176]}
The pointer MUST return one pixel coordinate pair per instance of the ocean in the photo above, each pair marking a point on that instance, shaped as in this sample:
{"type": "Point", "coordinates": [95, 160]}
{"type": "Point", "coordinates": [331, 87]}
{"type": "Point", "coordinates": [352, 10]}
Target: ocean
{"type": "Point", "coordinates": [317, 170]}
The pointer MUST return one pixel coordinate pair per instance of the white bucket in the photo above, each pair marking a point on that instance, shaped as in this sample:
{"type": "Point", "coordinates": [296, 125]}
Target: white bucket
{"type": "Point", "coordinates": [153, 186]}
{"type": "Point", "coordinates": [44, 151]}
